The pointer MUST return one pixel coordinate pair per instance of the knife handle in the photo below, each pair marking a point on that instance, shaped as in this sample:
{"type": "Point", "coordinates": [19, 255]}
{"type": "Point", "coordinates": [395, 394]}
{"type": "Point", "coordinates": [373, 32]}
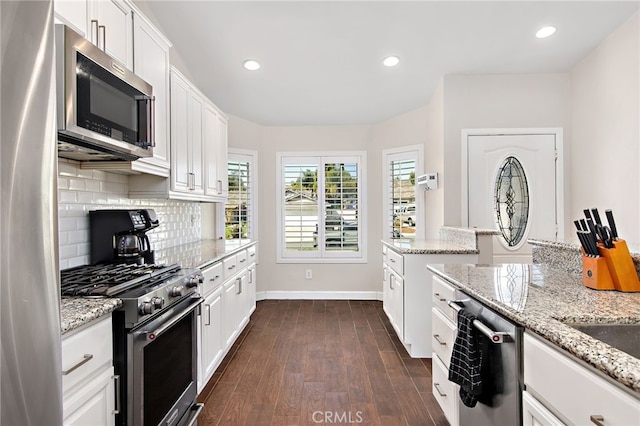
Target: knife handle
{"type": "Point", "coordinates": [596, 216]}
{"type": "Point", "coordinates": [577, 224]}
{"type": "Point", "coordinates": [587, 214]}
{"type": "Point", "coordinates": [612, 224]}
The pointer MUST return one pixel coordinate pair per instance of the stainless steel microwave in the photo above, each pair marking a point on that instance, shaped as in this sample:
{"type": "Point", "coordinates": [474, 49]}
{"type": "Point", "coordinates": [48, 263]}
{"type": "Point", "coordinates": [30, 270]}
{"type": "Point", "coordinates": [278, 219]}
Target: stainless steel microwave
{"type": "Point", "coordinates": [105, 111]}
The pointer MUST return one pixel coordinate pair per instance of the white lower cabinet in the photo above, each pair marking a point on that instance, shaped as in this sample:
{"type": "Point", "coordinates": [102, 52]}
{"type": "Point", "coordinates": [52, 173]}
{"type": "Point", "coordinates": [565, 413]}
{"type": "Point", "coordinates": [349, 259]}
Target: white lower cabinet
{"type": "Point", "coordinates": [406, 295]}
{"type": "Point", "coordinates": [212, 342]}
{"type": "Point", "coordinates": [229, 300]}
{"type": "Point", "coordinates": [570, 391]}
{"type": "Point", "coordinates": [536, 414]}
{"type": "Point", "coordinates": [88, 391]}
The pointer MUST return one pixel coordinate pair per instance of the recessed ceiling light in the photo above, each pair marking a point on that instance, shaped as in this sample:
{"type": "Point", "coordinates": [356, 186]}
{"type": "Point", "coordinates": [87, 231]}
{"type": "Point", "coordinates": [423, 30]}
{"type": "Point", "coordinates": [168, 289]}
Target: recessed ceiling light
{"type": "Point", "coordinates": [391, 61]}
{"type": "Point", "coordinates": [545, 32]}
{"type": "Point", "coordinates": [251, 64]}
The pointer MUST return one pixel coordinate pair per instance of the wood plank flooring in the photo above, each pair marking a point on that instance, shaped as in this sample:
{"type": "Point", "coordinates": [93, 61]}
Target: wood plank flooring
{"type": "Point", "coordinates": [311, 362]}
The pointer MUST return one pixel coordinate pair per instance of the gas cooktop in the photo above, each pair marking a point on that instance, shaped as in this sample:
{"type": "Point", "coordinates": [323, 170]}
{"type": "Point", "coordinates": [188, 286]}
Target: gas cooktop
{"type": "Point", "coordinates": [113, 279]}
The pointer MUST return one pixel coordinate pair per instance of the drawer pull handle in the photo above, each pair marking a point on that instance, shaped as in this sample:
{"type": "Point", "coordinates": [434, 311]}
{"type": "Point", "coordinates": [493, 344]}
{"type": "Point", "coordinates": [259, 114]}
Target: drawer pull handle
{"type": "Point", "coordinates": [85, 359]}
{"type": "Point", "coordinates": [393, 260]}
{"type": "Point", "coordinates": [597, 419]}
{"type": "Point", "coordinates": [437, 337]}
{"type": "Point", "coordinates": [214, 278]}
{"type": "Point", "coordinates": [437, 386]}
{"type": "Point", "coordinates": [437, 295]}
{"type": "Point", "coordinates": [243, 260]}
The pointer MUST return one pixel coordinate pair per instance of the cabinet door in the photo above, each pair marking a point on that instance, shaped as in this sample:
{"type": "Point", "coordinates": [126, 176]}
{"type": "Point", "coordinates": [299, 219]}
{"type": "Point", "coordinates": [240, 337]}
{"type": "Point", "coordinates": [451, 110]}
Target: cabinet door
{"type": "Point", "coordinates": [386, 291]}
{"type": "Point", "coordinates": [251, 288]}
{"type": "Point", "coordinates": [231, 311]}
{"type": "Point", "coordinates": [398, 305]}
{"type": "Point", "coordinates": [536, 414]}
{"type": "Point", "coordinates": [151, 63]}
{"type": "Point", "coordinates": [244, 300]}
{"type": "Point", "coordinates": [211, 141]}
{"type": "Point", "coordinates": [93, 404]}
{"type": "Point", "coordinates": [114, 19]}
{"type": "Point", "coordinates": [180, 173]}
{"type": "Point", "coordinates": [196, 143]}
{"type": "Point", "coordinates": [212, 328]}
{"type": "Point", "coordinates": [221, 156]}
{"type": "Point", "coordinates": [73, 13]}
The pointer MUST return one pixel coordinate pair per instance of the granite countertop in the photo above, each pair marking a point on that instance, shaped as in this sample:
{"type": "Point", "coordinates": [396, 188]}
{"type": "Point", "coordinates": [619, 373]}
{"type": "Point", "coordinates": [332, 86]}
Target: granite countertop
{"type": "Point", "coordinates": [409, 246]}
{"type": "Point", "coordinates": [78, 311]}
{"type": "Point", "coordinates": [542, 299]}
{"type": "Point", "coordinates": [200, 254]}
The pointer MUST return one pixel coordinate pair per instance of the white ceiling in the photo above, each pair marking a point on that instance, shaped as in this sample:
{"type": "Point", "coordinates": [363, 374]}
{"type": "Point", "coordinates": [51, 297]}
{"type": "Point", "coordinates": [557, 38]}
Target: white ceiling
{"type": "Point", "coordinates": [321, 61]}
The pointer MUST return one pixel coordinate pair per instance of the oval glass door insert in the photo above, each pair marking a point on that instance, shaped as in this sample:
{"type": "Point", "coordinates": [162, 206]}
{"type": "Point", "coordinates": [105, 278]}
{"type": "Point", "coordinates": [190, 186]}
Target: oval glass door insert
{"type": "Point", "coordinates": [511, 201]}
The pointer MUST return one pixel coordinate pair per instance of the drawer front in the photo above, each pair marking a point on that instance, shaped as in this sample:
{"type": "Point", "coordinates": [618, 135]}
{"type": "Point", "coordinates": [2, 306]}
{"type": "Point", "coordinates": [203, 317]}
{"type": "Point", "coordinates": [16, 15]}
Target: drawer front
{"type": "Point", "coordinates": [252, 254]}
{"type": "Point", "coordinates": [396, 261]}
{"type": "Point", "coordinates": [213, 278]}
{"type": "Point", "coordinates": [572, 390]}
{"type": "Point", "coordinates": [230, 265]}
{"type": "Point", "coordinates": [442, 336]}
{"type": "Point", "coordinates": [242, 259]}
{"type": "Point", "coordinates": [442, 293]}
{"type": "Point", "coordinates": [445, 392]}
{"type": "Point", "coordinates": [85, 352]}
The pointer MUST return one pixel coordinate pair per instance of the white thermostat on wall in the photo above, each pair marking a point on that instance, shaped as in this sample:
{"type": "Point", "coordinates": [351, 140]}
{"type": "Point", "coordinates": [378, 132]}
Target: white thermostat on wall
{"type": "Point", "coordinates": [428, 181]}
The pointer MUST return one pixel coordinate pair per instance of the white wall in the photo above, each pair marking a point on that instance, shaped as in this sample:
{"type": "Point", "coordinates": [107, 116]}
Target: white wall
{"type": "Point", "coordinates": [434, 161]}
{"type": "Point", "coordinates": [605, 124]}
{"type": "Point", "coordinates": [496, 101]}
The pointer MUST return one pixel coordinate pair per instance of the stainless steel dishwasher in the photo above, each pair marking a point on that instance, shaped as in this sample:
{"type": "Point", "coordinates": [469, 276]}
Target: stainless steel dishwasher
{"type": "Point", "coordinates": [505, 404]}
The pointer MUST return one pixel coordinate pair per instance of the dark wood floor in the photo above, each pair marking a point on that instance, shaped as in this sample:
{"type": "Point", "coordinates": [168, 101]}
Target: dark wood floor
{"type": "Point", "coordinates": [309, 362]}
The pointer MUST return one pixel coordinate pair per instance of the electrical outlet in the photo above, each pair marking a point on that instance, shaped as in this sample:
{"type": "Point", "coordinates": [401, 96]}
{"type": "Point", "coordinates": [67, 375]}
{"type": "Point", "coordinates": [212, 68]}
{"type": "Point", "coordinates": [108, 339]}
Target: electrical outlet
{"type": "Point", "coordinates": [308, 274]}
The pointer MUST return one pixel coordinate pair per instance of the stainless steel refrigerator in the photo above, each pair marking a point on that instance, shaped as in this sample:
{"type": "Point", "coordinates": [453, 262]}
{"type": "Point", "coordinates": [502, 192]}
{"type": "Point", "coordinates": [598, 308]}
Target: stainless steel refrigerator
{"type": "Point", "coordinates": [29, 287]}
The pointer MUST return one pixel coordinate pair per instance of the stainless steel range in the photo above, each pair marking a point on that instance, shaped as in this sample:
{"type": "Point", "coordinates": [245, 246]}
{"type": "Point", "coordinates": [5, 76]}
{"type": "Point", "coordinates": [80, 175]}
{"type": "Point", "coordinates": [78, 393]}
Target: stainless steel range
{"type": "Point", "coordinates": [154, 331]}
{"type": "Point", "coordinates": [154, 337]}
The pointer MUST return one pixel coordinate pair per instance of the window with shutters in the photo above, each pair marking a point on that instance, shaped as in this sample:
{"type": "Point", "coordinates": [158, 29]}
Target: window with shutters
{"type": "Point", "coordinates": [403, 205]}
{"type": "Point", "coordinates": [321, 215]}
{"type": "Point", "coordinates": [240, 207]}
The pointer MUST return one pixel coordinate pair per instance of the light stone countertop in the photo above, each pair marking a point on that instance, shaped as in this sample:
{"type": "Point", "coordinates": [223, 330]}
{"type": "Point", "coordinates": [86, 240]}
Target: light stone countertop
{"type": "Point", "coordinates": [409, 246]}
{"type": "Point", "coordinates": [78, 311]}
{"type": "Point", "coordinates": [543, 299]}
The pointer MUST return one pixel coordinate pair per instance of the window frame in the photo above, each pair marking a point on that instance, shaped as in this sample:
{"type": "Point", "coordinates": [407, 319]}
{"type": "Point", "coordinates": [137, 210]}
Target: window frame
{"type": "Point", "coordinates": [320, 158]}
{"type": "Point", "coordinates": [251, 157]}
{"type": "Point", "coordinates": [403, 153]}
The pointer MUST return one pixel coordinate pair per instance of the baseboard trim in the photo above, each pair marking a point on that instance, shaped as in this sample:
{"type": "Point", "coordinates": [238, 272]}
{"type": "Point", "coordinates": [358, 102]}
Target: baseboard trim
{"type": "Point", "coordinates": [319, 295]}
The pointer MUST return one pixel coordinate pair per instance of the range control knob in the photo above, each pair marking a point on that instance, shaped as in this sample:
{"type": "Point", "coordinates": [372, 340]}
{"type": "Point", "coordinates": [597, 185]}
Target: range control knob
{"type": "Point", "coordinates": [176, 291]}
{"type": "Point", "coordinates": [158, 302]}
{"type": "Point", "coordinates": [146, 308]}
{"type": "Point", "coordinates": [194, 280]}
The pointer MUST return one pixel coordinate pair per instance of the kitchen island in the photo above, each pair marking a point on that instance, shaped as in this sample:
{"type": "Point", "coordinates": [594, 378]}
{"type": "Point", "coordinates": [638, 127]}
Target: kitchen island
{"type": "Point", "coordinates": [545, 299]}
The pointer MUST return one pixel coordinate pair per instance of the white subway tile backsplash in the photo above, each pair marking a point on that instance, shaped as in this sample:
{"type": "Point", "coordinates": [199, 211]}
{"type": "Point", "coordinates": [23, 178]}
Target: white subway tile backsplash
{"type": "Point", "coordinates": [80, 191]}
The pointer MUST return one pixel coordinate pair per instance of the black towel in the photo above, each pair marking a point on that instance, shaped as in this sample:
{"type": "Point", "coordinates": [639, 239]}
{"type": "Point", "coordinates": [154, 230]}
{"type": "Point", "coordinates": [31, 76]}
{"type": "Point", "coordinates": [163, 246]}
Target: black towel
{"type": "Point", "coordinates": [469, 351]}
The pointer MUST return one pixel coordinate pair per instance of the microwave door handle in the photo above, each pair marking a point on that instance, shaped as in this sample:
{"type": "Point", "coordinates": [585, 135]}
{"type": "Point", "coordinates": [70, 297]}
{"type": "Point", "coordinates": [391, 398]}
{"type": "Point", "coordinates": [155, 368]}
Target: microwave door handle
{"type": "Point", "coordinates": [103, 30]}
{"type": "Point", "coordinates": [152, 121]}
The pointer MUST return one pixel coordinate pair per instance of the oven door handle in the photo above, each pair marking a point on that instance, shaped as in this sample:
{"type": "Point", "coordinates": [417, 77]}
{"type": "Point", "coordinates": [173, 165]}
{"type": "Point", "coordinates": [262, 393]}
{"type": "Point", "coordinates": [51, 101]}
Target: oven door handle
{"type": "Point", "coordinates": [153, 335]}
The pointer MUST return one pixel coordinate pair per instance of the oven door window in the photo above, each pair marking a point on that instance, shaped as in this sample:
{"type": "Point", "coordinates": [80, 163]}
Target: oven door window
{"type": "Point", "coordinates": [168, 370]}
{"type": "Point", "coordinates": [107, 105]}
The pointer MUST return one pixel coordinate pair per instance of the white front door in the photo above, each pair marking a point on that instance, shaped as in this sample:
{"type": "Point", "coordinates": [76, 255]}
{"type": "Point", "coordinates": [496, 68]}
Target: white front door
{"type": "Point", "coordinates": [511, 186]}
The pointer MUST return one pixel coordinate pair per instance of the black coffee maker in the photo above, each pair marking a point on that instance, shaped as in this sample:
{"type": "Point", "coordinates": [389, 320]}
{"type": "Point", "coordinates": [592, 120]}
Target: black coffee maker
{"type": "Point", "coordinates": [121, 236]}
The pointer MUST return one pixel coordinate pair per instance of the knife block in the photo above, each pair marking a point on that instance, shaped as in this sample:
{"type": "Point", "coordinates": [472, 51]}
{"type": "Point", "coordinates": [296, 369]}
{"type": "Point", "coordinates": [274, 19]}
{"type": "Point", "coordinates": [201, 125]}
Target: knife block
{"type": "Point", "coordinates": [595, 273]}
{"type": "Point", "coordinates": [620, 264]}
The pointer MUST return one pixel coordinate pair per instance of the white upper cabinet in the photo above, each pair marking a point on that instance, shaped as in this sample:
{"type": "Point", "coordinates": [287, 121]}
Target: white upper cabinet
{"type": "Point", "coordinates": [151, 63]}
{"type": "Point", "coordinates": [106, 23]}
{"type": "Point", "coordinates": [215, 131]}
